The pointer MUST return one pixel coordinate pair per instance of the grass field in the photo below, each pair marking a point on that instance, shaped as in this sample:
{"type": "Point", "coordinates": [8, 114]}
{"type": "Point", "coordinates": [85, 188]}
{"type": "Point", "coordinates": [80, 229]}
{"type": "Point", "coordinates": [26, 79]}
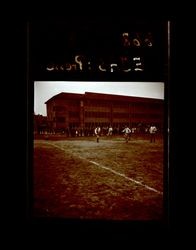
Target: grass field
{"type": "Point", "coordinates": [110, 180]}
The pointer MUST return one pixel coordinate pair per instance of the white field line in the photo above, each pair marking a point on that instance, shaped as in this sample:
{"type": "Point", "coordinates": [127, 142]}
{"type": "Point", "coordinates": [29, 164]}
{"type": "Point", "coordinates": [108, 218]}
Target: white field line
{"type": "Point", "coordinates": [113, 171]}
{"type": "Point", "coordinates": [128, 178]}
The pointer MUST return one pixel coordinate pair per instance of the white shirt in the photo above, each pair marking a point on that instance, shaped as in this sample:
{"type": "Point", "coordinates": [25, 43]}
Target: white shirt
{"type": "Point", "coordinates": [126, 130]}
{"type": "Point", "coordinates": [97, 130]}
{"type": "Point", "coordinates": [110, 129]}
{"type": "Point", "coordinates": [152, 129]}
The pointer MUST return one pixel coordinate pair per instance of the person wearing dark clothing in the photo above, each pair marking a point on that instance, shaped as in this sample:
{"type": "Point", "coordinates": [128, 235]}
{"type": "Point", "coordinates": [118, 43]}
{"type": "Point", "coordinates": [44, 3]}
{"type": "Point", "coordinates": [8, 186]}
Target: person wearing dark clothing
{"type": "Point", "coordinates": [97, 133]}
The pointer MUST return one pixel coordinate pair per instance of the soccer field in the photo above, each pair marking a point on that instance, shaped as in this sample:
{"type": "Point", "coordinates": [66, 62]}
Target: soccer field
{"type": "Point", "coordinates": [110, 180]}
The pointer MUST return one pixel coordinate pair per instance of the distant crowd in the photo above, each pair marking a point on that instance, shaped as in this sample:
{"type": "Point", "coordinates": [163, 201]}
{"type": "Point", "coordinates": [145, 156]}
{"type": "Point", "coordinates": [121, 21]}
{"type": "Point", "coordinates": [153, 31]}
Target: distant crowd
{"type": "Point", "coordinates": [103, 131]}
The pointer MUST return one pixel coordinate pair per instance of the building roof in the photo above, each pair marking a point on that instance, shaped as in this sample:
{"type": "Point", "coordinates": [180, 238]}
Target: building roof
{"type": "Point", "coordinates": [64, 95]}
{"type": "Point", "coordinates": [102, 96]}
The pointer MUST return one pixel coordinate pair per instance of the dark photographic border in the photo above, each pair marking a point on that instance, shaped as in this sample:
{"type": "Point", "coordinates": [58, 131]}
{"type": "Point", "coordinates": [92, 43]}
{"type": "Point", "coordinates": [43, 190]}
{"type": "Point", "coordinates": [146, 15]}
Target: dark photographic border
{"type": "Point", "coordinates": [34, 74]}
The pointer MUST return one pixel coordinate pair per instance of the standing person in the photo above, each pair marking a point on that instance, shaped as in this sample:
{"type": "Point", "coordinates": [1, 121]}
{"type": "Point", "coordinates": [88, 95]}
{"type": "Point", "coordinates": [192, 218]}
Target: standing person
{"type": "Point", "coordinates": [152, 131]}
{"type": "Point", "coordinates": [127, 133]}
{"type": "Point", "coordinates": [110, 130]}
{"type": "Point", "coordinates": [97, 132]}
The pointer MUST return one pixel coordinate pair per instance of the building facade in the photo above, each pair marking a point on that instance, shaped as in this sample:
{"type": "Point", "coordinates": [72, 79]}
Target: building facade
{"type": "Point", "coordinates": [83, 112]}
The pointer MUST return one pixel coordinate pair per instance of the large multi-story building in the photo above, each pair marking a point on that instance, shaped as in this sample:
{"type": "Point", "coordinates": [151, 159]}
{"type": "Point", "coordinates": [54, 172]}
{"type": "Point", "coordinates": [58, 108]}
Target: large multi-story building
{"type": "Point", "coordinates": [69, 111]}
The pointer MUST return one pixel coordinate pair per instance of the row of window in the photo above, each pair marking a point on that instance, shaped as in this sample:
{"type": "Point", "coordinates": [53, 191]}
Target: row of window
{"type": "Point", "coordinates": [95, 103]}
{"type": "Point", "coordinates": [97, 114]}
{"type": "Point", "coordinates": [107, 115]}
{"type": "Point", "coordinates": [120, 115]}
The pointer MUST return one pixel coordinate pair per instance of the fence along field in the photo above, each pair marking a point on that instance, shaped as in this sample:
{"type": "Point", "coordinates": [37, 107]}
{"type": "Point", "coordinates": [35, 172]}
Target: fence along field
{"type": "Point", "coordinates": [110, 180]}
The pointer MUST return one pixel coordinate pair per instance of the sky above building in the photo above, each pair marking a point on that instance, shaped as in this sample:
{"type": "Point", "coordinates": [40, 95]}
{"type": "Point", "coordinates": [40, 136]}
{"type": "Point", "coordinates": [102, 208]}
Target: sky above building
{"type": "Point", "coordinates": [45, 90]}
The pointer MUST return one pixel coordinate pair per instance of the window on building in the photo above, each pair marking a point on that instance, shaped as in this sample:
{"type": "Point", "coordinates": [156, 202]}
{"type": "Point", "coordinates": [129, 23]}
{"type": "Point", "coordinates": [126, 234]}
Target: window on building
{"type": "Point", "coordinates": [58, 108]}
{"type": "Point", "coordinates": [60, 119]}
{"type": "Point", "coordinates": [74, 114]}
{"type": "Point", "coordinates": [121, 115]}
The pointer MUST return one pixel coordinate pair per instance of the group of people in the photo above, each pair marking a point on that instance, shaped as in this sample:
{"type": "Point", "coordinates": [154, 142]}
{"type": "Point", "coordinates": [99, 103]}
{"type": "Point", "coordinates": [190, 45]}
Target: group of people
{"type": "Point", "coordinates": [127, 133]}
{"type": "Point", "coordinates": [98, 132]}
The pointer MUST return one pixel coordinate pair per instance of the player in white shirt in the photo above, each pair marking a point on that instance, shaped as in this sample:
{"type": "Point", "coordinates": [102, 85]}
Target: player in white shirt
{"type": "Point", "coordinates": [127, 133]}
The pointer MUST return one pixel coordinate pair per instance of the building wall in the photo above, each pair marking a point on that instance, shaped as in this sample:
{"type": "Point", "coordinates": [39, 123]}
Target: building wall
{"type": "Point", "coordinates": [69, 111]}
